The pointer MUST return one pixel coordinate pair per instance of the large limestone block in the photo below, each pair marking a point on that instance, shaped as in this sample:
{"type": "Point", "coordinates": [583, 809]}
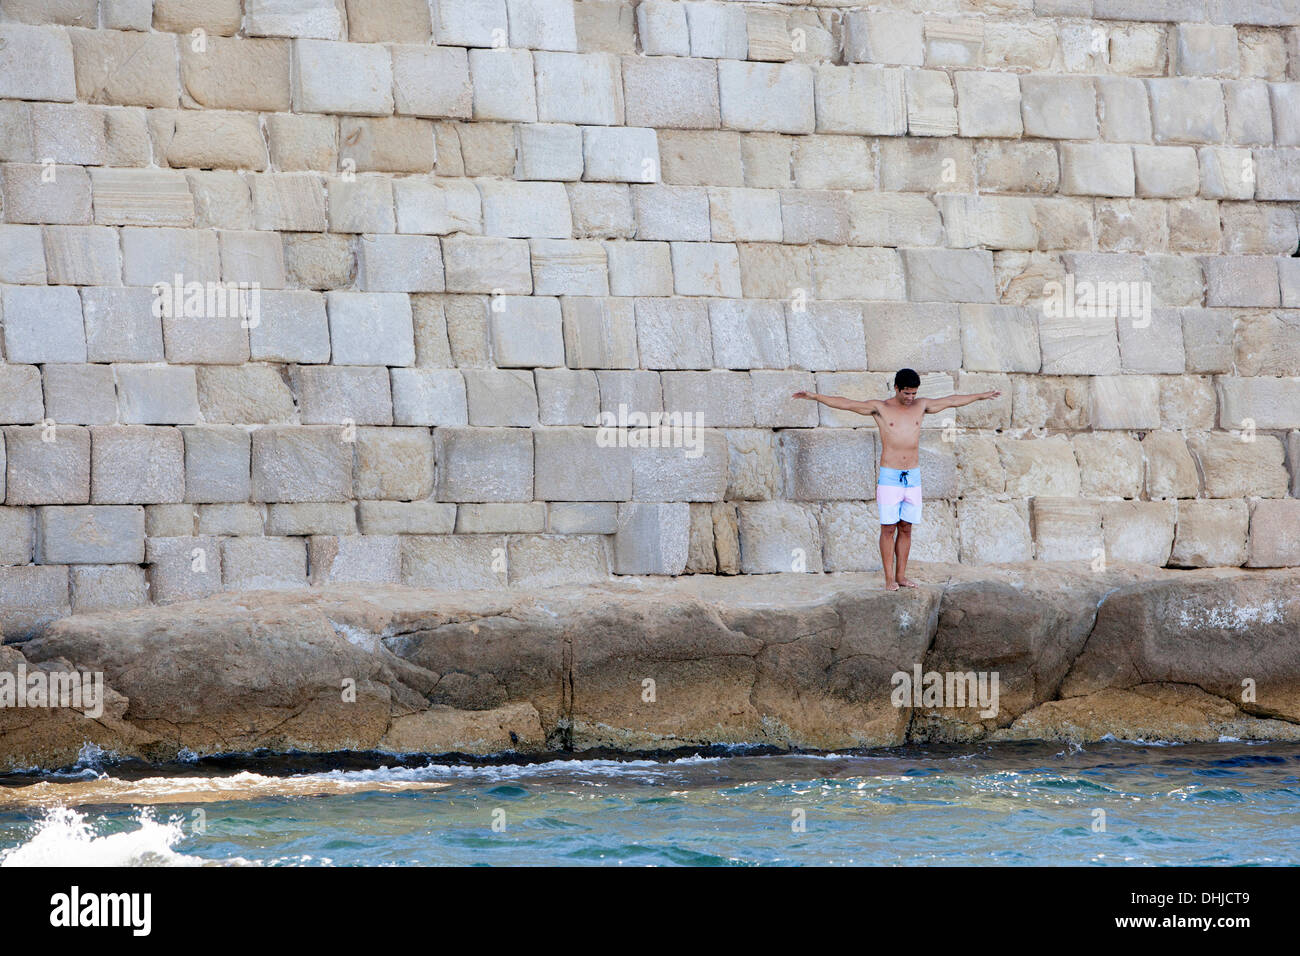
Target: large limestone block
{"type": "Point", "coordinates": [1110, 465]}
{"type": "Point", "coordinates": [355, 559]}
{"type": "Point", "coordinates": [1188, 402]}
{"type": "Point", "coordinates": [850, 533]}
{"type": "Point", "coordinates": [778, 536]}
{"type": "Point", "coordinates": [136, 464]}
{"type": "Point", "coordinates": [1237, 468]}
{"type": "Point", "coordinates": [301, 463]}
{"type": "Point", "coordinates": [46, 466]}
{"type": "Point", "coordinates": [994, 532]}
{"type": "Point", "coordinates": [652, 538]}
{"type": "Point", "coordinates": [999, 338]}
{"type": "Point", "coordinates": [749, 334]}
{"type": "Point", "coordinates": [926, 338]}
{"type": "Point", "coordinates": [1067, 529]}
{"type": "Point", "coordinates": [182, 568]}
{"type": "Point", "coordinates": [1268, 343]}
{"type": "Point", "coordinates": [1078, 345]}
{"type": "Point", "coordinates": [454, 562]}
{"type": "Point", "coordinates": [826, 336]}
{"type": "Point", "coordinates": [1130, 402]}
{"type": "Point", "coordinates": [860, 100]}
{"type": "Point", "coordinates": [1171, 470]}
{"type": "Point", "coordinates": [1210, 534]}
{"type": "Point", "coordinates": [1055, 402]}
{"type": "Point", "coordinates": [949, 275]}
{"type": "Point", "coordinates": [585, 464]}
{"type": "Point", "coordinates": [331, 77]}
{"type": "Point", "coordinates": [673, 333]}
{"type": "Point", "coordinates": [1275, 534]}
{"type": "Point", "coordinates": [773, 97]}
{"type": "Point", "coordinates": [1059, 107]}
{"type": "Point", "coordinates": [484, 464]}
{"type": "Point", "coordinates": [714, 399]}
{"type": "Point", "coordinates": [91, 534]}
{"type": "Point", "coordinates": [774, 406]}
{"type": "Point", "coordinates": [1043, 466]}
{"type": "Point", "coordinates": [1139, 531]}
{"type": "Point", "coordinates": [754, 470]}
{"type": "Point", "coordinates": [1268, 402]}
{"type": "Point", "coordinates": [393, 463]}
{"type": "Point", "coordinates": [554, 560]}
{"type": "Point", "coordinates": [831, 464]}
{"type": "Point", "coordinates": [1153, 345]}
{"type": "Point", "coordinates": [695, 471]}
{"type": "Point", "coordinates": [217, 461]}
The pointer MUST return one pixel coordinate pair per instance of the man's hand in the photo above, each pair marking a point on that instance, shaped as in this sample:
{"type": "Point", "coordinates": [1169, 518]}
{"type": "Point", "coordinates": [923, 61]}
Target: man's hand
{"type": "Point", "coordinates": [993, 394]}
{"type": "Point", "coordinates": [803, 395]}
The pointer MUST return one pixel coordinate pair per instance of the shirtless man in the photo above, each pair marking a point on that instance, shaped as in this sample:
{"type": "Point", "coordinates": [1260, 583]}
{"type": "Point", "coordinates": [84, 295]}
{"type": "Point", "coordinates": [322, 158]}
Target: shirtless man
{"type": "Point", "coordinates": [898, 489]}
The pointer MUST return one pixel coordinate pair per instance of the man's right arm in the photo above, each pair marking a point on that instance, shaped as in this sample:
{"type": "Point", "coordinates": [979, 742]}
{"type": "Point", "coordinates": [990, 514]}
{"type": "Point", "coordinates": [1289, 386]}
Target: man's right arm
{"type": "Point", "coordinates": [847, 404]}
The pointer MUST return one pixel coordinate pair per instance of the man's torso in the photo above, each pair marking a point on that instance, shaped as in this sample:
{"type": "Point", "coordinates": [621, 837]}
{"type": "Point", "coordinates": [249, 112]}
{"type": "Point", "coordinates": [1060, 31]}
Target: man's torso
{"type": "Point", "coordinates": [900, 433]}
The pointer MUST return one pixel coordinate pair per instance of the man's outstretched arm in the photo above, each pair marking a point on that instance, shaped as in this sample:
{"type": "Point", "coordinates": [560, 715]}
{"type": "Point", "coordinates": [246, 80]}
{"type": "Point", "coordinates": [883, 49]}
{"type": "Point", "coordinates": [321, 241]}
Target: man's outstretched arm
{"type": "Point", "coordinates": [933, 405]}
{"type": "Point", "coordinates": [847, 404]}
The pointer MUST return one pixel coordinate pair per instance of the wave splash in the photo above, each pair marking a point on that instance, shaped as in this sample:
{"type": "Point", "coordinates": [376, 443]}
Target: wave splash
{"type": "Point", "coordinates": [64, 837]}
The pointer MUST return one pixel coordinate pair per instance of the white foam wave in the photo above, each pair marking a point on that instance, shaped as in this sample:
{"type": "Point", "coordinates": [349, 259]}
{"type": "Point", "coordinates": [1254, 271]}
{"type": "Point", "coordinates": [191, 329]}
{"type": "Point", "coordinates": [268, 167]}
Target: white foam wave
{"type": "Point", "coordinates": [65, 837]}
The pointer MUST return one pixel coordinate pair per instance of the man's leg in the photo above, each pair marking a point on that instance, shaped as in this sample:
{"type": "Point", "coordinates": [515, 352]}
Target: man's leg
{"type": "Point", "coordinates": [903, 548]}
{"type": "Point", "coordinates": [887, 555]}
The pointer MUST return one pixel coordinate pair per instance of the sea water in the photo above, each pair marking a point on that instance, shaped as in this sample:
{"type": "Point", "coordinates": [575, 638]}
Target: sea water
{"type": "Point", "coordinates": [1105, 804]}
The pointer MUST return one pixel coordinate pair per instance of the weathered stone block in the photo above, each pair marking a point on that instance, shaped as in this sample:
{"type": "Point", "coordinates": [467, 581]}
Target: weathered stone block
{"type": "Point", "coordinates": [1235, 468]}
{"type": "Point", "coordinates": [301, 463]}
{"type": "Point", "coordinates": [778, 536]}
{"type": "Point", "coordinates": [652, 538]}
{"type": "Point", "coordinates": [91, 534]}
{"type": "Point", "coordinates": [485, 464]}
{"type": "Point", "coordinates": [1044, 466]}
{"type": "Point", "coordinates": [949, 275]}
{"type": "Point", "coordinates": [1130, 402]}
{"type": "Point", "coordinates": [1067, 529]}
{"type": "Point", "coordinates": [1171, 470]}
{"type": "Point", "coordinates": [217, 463]}
{"type": "Point", "coordinates": [131, 464]}
{"type": "Point", "coordinates": [1210, 534]}
{"type": "Point", "coordinates": [42, 324]}
{"type": "Point", "coordinates": [355, 559]}
{"type": "Point", "coordinates": [994, 532]}
{"type": "Point", "coordinates": [263, 564]}
{"type": "Point", "coordinates": [1139, 531]}
{"type": "Point", "coordinates": [1110, 465]}
{"type": "Point", "coordinates": [1269, 402]}
{"type": "Point", "coordinates": [584, 464]}
{"type": "Point", "coordinates": [767, 96]}
{"type": "Point", "coordinates": [151, 395]}
{"type": "Point", "coordinates": [860, 100]}
{"type": "Point", "coordinates": [835, 465]}
{"type": "Point", "coordinates": [1274, 534]}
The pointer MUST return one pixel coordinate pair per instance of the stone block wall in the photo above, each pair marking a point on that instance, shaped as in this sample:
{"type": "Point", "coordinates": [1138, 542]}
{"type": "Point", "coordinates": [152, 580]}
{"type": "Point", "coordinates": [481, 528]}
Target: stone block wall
{"type": "Point", "coordinates": [468, 229]}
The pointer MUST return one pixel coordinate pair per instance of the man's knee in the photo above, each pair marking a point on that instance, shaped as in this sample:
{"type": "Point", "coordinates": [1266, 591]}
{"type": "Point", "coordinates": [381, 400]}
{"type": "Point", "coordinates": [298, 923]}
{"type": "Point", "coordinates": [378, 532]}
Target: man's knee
{"type": "Point", "coordinates": [904, 527]}
{"type": "Point", "coordinates": [887, 530]}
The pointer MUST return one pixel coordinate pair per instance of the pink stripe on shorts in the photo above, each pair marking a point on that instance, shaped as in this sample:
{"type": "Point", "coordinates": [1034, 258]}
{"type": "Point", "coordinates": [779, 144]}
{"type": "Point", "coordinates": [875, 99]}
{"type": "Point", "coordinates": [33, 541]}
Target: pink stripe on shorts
{"type": "Point", "coordinates": [898, 496]}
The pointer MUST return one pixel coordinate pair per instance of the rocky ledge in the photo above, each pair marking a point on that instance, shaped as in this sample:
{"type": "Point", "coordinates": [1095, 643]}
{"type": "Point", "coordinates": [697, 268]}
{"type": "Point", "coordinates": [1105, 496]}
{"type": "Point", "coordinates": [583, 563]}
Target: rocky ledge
{"type": "Point", "coordinates": [793, 660]}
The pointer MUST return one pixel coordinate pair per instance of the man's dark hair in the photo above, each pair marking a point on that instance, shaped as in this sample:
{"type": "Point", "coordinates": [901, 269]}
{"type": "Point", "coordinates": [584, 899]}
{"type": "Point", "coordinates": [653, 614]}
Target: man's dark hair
{"type": "Point", "coordinates": [906, 378]}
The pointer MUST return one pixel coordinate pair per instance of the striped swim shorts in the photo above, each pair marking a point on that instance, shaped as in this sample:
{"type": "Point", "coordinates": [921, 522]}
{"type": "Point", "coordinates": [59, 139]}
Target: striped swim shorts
{"type": "Point", "coordinates": [898, 494]}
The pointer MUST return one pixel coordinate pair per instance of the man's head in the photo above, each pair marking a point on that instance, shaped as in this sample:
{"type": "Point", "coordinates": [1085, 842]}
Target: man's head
{"type": "Point", "coordinates": [906, 383]}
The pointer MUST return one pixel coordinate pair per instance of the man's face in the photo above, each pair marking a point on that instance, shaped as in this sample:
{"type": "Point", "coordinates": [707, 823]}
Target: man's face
{"type": "Point", "coordinates": [906, 396]}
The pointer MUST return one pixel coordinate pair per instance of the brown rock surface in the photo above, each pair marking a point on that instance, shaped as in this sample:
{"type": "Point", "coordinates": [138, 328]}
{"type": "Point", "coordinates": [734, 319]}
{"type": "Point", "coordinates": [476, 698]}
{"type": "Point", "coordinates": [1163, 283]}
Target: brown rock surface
{"type": "Point", "coordinates": [789, 660]}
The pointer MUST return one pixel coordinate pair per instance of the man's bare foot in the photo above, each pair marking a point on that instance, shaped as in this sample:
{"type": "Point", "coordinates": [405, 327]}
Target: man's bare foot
{"type": "Point", "coordinates": [907, 582]}
{"type": "Point", "coordinates": [891, 585]}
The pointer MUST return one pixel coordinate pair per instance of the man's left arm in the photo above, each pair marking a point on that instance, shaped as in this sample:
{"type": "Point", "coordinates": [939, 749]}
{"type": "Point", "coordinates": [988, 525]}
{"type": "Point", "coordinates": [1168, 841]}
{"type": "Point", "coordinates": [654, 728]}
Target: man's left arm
{"type": "Point", "coordinates": [933, 405]}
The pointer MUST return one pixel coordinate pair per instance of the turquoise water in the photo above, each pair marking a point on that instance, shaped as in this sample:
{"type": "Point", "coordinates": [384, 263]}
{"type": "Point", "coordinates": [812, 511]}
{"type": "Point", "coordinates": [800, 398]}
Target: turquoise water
{"type": "Point", "coordinates": [1231, 803]}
